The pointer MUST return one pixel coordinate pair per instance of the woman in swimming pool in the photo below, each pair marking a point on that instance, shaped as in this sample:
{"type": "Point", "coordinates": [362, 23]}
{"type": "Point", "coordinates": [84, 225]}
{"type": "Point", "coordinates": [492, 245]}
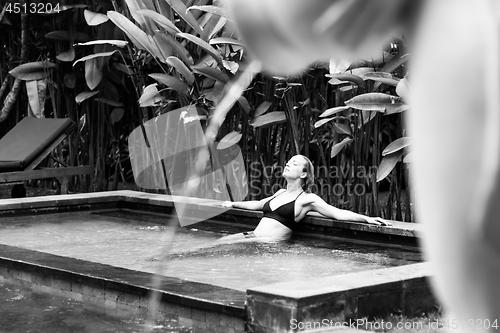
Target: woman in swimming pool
{"type": "Point", "coordinates": [287, 207]}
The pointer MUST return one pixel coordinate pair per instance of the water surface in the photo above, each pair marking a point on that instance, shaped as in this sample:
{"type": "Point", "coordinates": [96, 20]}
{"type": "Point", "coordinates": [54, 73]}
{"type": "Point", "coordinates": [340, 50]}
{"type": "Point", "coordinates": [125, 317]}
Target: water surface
{"type": "Point", "coordinates": [137, 241]}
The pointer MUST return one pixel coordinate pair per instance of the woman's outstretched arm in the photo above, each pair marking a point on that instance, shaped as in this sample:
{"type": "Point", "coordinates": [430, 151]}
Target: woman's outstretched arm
{"type": "Point", "coordinates": [320, 206]}
{"type": "Point", "coordinates": [251, 205]}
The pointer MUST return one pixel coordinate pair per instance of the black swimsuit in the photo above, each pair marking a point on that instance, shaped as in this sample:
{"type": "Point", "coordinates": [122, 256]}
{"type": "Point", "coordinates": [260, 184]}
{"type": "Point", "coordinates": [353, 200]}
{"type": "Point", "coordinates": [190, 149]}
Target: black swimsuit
{"type": "Point", "coordinates": [285, 214]}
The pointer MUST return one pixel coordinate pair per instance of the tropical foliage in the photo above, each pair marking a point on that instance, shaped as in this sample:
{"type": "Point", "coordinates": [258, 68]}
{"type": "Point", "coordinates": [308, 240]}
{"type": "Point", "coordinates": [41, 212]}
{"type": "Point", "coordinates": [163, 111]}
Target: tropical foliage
{"type": "Point", "coordinates": [113, 65]}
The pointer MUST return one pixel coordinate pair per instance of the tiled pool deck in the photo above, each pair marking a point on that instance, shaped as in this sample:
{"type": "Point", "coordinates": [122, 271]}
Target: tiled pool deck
{"type": "Point", "coordinates": [209, 308]}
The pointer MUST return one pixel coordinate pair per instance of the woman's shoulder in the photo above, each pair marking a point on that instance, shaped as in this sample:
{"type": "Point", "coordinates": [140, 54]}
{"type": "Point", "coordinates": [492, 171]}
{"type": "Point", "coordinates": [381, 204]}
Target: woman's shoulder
{"type": "Point", "coordinates": [309, 198]}
{"type": "Point", "coordinates": [310, 195]}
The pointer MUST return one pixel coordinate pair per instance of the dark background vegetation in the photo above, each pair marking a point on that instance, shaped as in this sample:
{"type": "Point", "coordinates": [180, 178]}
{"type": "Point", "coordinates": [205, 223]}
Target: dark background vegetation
{"type": "Point", "coordinates": [345, 117]}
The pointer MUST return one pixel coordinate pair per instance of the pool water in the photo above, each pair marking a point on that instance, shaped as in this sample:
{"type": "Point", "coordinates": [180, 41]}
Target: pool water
{"type": "Point", "coordinates": [137, 241]}
{"type": "Point", "coordinates": [24, 310]}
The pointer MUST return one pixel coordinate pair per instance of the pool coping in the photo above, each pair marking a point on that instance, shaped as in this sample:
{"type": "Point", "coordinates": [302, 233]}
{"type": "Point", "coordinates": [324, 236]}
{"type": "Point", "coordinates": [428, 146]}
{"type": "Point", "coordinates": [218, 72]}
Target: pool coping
{"type": "Point", "coordinates": [342, 299]}
{"type": "Point", "coordinates": [348, 296]}
{"type": "Point", "coordinates": [311, 222]}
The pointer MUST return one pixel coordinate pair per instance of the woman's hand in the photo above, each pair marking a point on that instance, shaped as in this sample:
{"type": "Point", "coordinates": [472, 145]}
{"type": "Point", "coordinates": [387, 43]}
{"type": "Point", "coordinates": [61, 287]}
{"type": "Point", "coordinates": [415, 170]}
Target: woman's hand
{"type": "Point", "coordinates": [228, 204]}
{"type": "Point", "coordinates": [377, 221]}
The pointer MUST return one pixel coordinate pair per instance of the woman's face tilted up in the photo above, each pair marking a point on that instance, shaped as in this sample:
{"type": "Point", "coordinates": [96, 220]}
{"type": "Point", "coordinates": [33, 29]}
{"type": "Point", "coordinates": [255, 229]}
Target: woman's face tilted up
{"type": "Point", "coordinates": [294, 168]}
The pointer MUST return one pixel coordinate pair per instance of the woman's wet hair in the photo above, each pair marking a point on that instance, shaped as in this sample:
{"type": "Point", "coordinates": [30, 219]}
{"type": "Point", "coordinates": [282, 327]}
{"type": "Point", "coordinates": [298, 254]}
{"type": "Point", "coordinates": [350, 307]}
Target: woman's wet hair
{"type": "Point", "coordinates": [308, 182]}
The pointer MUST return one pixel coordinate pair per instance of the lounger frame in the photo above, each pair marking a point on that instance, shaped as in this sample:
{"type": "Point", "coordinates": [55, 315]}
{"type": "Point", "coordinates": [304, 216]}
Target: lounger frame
{"type": "Point", "coordinates": [62, 174]}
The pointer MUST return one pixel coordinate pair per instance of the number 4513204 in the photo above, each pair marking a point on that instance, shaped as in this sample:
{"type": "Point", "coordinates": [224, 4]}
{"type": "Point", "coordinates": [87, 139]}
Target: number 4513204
{"type": "Point", "coordinates": [32, 8]}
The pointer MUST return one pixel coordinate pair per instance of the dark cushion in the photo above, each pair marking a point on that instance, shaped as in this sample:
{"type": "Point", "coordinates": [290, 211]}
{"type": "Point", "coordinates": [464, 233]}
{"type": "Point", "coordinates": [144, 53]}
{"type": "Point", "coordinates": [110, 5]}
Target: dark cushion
{"type": "Point", "coordinates": [22, 144]}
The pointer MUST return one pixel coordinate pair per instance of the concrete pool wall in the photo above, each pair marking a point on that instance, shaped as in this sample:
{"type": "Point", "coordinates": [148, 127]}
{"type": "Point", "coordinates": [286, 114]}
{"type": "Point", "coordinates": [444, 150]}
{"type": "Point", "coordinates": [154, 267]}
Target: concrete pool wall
{"type": "Point", "coordinates": [208, 308]}
{"type": "Point", "coordinates": [203, 307]}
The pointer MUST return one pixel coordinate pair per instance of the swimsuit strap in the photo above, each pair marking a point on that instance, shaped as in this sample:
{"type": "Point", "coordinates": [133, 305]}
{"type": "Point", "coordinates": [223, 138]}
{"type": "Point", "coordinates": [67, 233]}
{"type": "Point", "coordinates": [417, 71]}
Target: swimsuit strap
{"type": "Point", "coordinates": [268, 201]}
{"type": "Point", "coordinates": [298, 195]}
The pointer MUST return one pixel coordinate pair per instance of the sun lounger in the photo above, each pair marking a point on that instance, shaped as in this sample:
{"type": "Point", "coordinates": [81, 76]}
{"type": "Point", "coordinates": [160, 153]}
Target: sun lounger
{"type": "Point", "coordinates": [28, 144]}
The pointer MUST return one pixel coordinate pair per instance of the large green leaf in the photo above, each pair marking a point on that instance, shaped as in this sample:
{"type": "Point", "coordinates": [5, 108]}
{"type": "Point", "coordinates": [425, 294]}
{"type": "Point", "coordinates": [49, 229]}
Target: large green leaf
{"type": "Point", "coordinates": [92, 56]}
{"type": "Point", "coordinates": [172, 82]}
{"type": "Point", "coordinates": [221, 23]}
{"type": "Point", "coordinates": [161, 20]}
{"type": "Point", "coordinates": [115, 42]}
{"type": "Point", "coordinates": [229, 140]}
{"type": "Point", "coordinates": [243, 102]}
{"type": "Point", "coordinates": [387, 164]}
{"type": "Point", "coordinates": [66, 56]}
{"type": "Point", "coordinates": [338, 146]}
{"type": "Point", "coordinates": [216, 93]}
{"type": "Point", "coordinates": [181, 68]}
{"type": "Point", "coordinates": [93, 18]}
{"type": "Point", "coordinates": [136, 35]}
{"type": "Point", "coordinates": [396, 145]}
{"type": "Point", "coordinates": [332, 111]}
{"type": "Point", "coordinates": [116, 115]}
{"type": "Point", "coordinates": [360, 71]}
{"type": "Point", "coordinates": [322, 122]}
{"type": "Point", "coordinates": [209, 24]}
{"type": "Point", "coordinates": [221, 11]}
{"type": "Point", "coordinates": [145, 23]}
{"type": "Point", "coordinates": [381, 77]}
{"type": "Point", "coordinates": [165, 50]}
{"type": "Point", "coordinates": [32, 70]}
{"type": "Point", "coordinates": [408, 158]}
{"type": "Point", "coordinates": [181, 9]}
{"type": "Point", "coordinates": [207, 60]}
{"type": "Point", "coordinates": [397, 109]}
{"type": "Point", "coordinates": [273, 118]}
{"type": "Point", "coordinates": [377, 102]}
{"type": "Point", "coordinates": [110, 91]}
{"type": "Point", "coordinates": [123, 68]}
{"type": "Point", "coordinates": [336, 82]}
{"type": "Point", "coordinates": [107, 32]}
{"type": "Point", "coordinates": [349, 78]}
{"type": "Point", "coordinates": [226, 40]}
{"type": "Point", "coordinates": [33, 97]}
{"type": "Point", "coordinates": [235, 90]}
{"type": "Point", "coordinates": [342, 128]}
{"type": "Point", "coordinates": [198, 13]}
{"type": "Point", "coordinates": [211, 72]}
{"type": "Point", "coordinates": [177, 47]}
{"type": "Point", "coordinates": [366, 117]}
{"type": "Point", "coordinates": [93, 75]}
{"type": "Point", "coordinates": [69, 80]}
{"type": "Point", "coordinates": [396, 61]}
{"type": "Point", "coordinates": [85, 95]}
{"type": "Point", "coordinates": [204, 45]}
{"type": "Point", "coordinates": [159, 50]}
{"type": "Point", "coordinates": [140, 39]}
{"type": "Point", "coordinates": [339, 67]}
{"type": "Point", "coordinates": [403, 89]}
{"type": "Point", "coordinates": [150, 96]}
{"type": "Point", "coordinates": [262, 108]}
